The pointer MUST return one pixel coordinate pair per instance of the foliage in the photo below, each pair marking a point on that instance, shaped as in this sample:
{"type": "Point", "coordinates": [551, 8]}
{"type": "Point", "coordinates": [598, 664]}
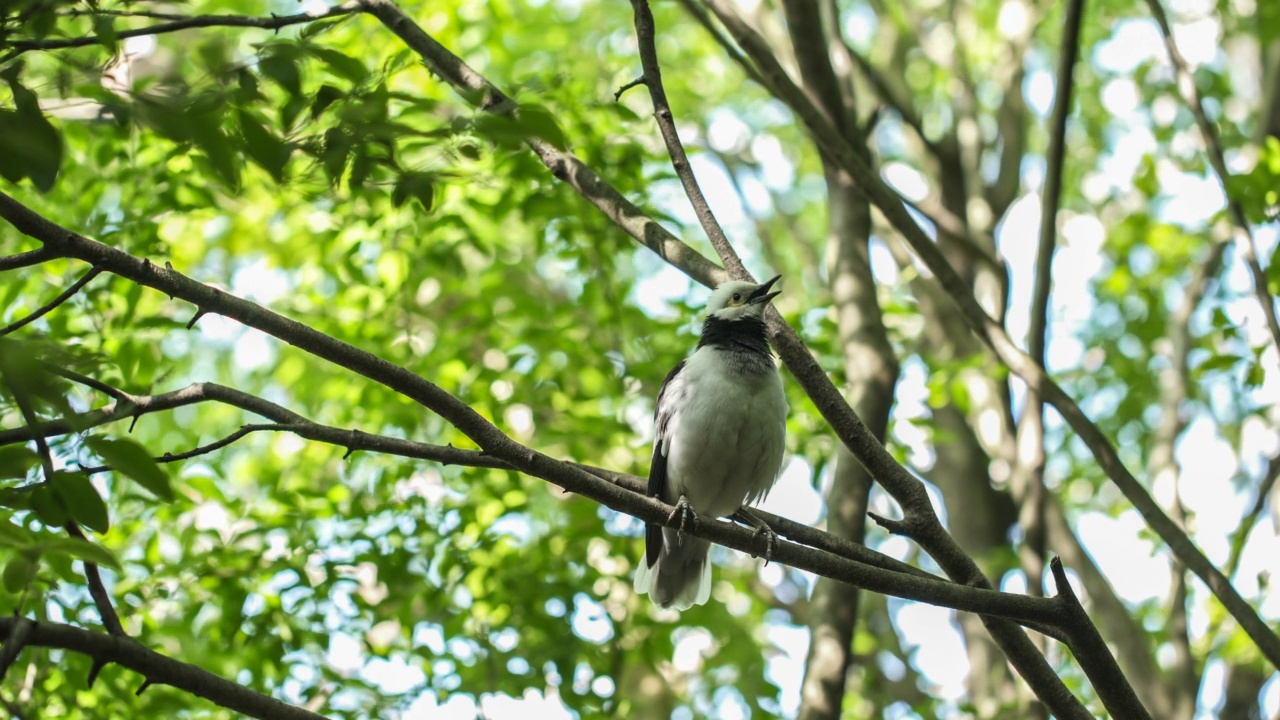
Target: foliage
{"type": "Point", "coordinates": [319, 170]}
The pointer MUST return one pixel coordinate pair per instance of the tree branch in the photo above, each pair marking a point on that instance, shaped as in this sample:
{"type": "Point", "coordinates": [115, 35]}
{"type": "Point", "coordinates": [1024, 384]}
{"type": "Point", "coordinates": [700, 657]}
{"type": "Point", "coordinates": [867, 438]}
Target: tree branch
{"type": "Point", "coordinates": [200, 21]}
{"type": "Point", "coordinates": [97, 590]}
{"type": "Point", "coordinates": [1027, 477]}
{"type": "Point", "coordinates": [54, 303]}
{"type": "Point", "coordinates": [26, 259]}
{"type": "Point", "coordinates": [156, 668]}
{"type": "Point", "coordinates": [871, 367]}
{"type": "Point", "coordinates": [1217, 160]}
{"type": "Point", "coordinates": [1269, 478]}
{"type": "Point", "coordinates": [1098, 663]}
{"type": "Point", "coordinates": [356, 440]}
{"type": "Point", "coordinates": [994, 336]}
{"type": "Point", "coordinates": [481, 93]}
{"type": "Point", "coordinates": [14, 642]}
{"type": "Point", "coordinates": [494, 442]}
{"type": "Point", "coordinates": [671, 137]}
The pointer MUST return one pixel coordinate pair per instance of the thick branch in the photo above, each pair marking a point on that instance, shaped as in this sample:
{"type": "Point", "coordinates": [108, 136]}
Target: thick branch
{"type": "Point", "coordinates": [871, 368]}
{"type": "Point", "coordinates": [495, 443]}
{"type": "Point", "coordinates": [1098, 662]}
{"type": "Point", "coordinates": [356, 440]}
{"type": "Point", "coordinates": [156, 668]}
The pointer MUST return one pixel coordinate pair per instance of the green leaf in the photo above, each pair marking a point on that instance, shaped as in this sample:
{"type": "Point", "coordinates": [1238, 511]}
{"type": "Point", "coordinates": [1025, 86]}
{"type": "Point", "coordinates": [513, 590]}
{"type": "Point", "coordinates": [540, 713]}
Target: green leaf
{"type": "Point", "coordinates": [29, 145]}
{"type": "Point", "coordinates": [268, 151]}
{"type": "Point", "coordinates": [361, 165]}
{"type": "Point", "coordinates": [418, 185]}
{"type": "Point", "coordinates": [16, 460]}
{"type": "Point", "coordinates": [1218, 362]}
{"type": "Point", "coordinates": [18, 573]}
{"type": "Point", "coordinates": [169, 121]}
{"type": "Point", "coordinates": [344, 66]}
{"type": "Point", "coordinates": [80, 548]}
{"type": "Point", "coordinates": [48, 507]}
{"type": "Point", "coordinates": [1273, 271]}
{"type": "Point", "coordinates": [82, 500]}
{"type": "Point", "coordinates": [14, 536]}
{"type": "Point", "coordinates": [133, 460]}
{"type": "Point", "coordinates": [321, 26]}
{"type": "Point", "coordinates": [337, 144]}
{"type": "Point", "coordinates": [281, 65]}
{"type": "Point", "coordinates": [537, 120]}
{"type": "Point", "coordinates": [325, 96]}
{"type": "Point", "coordinates": [104, 27]}
{"type": "Point", "coordinates": [217, 148]}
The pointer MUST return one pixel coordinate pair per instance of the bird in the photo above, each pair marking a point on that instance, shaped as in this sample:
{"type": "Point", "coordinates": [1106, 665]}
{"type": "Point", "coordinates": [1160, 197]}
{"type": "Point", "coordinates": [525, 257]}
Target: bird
{"type": "Point", "coordinates": [721, 426]}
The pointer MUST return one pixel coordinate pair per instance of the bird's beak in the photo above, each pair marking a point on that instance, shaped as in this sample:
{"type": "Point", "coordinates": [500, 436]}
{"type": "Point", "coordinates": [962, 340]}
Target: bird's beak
{"type": "Point", "coordinates": [761, 294]}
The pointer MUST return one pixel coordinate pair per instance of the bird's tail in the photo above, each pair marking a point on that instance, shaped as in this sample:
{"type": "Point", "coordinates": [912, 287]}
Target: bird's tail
{"type": "Point", "coordinates": [680, 574]}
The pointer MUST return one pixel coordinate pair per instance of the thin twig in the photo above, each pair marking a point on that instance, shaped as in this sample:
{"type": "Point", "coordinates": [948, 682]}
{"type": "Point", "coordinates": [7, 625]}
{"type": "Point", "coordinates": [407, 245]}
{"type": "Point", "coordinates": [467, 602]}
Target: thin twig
{"type": "Point", "coordinates": [26, 259]}
{"type": "Point", "coordinates": [199, 21]}
{"type": "Point", "coordinates": [901, 105]}
{"type": "Point", "coordinates": [200, 449]}
{"type": "Point", "coordinates": [667, 126]}
{"type": "Point", "coordinates": [98, 591]}
{"type": "Point", "coordinates": [564, 165]}
{"type": "Point", "coordinates": [1269, 478]}
{"type": "Point", "coordinates": [627, 86]}
{"type": "Point", "coordinates": [1027, 478]}
{"type": "Point", "coordinates": [1217, 160]}
{"type": "Point", "coordinates": [96, 12]}
{"type": "Point", "coordinates": [54, 303]}
{"type": "Point", "coordinates": [87, 381]}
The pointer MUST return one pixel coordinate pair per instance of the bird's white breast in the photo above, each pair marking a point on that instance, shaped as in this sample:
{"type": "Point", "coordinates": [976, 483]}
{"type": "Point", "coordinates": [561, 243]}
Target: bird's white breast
{"type": "Point", "coordinates": [725, 441]}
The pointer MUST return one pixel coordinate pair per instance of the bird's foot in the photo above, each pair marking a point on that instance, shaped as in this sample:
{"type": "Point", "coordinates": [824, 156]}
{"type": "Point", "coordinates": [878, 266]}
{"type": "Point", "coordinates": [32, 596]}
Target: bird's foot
{"type": "Point", "coordinates": [683, 513]}
{"type": "Point", "coordinates": [746, 517]}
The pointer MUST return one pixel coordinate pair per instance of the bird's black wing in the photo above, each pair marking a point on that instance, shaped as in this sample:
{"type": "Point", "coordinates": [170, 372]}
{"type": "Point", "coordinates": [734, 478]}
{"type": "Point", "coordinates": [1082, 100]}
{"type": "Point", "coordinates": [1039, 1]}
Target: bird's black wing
{"type": "Point", "coordinates": [658, 468]}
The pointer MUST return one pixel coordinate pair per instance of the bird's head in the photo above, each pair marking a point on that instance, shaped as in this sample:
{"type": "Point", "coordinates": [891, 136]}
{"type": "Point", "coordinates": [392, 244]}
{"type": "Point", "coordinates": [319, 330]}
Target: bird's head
{"type": "Point", "coordinates": [736, 299]}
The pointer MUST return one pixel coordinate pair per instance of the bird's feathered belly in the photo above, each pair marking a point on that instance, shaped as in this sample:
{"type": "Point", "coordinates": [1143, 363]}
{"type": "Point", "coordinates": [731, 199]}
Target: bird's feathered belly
{"type": "Point", "coordinates": [727, 442]}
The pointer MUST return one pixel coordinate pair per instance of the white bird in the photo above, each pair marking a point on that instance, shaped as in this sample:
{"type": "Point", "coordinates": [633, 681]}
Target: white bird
{"type": "Point", "coordinates": [721, 429]}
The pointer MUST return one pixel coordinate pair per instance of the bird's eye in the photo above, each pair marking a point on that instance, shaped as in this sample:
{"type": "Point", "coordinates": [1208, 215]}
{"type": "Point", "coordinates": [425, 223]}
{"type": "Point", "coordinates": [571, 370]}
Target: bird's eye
{"type": "Point", "coordinates": [737, 297]}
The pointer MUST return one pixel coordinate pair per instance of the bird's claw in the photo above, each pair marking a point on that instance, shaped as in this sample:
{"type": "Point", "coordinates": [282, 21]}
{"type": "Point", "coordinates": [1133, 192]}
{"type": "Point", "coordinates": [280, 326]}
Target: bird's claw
{"type": "Point", "coordinates": [747, 517]}
{"type": "Point", "coordinates": [770, 537]}
{"type": "Point", "coordinates": [684, 513]}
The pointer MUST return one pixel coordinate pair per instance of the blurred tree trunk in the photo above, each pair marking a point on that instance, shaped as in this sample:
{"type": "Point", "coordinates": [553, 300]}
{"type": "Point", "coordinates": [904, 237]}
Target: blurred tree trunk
{"type": "Point", "coordinates": [1244, 683]}
{"type": "Point", "coordinates": [1269, 117]}
{"type": "Point", "coordinates": [871, 368]}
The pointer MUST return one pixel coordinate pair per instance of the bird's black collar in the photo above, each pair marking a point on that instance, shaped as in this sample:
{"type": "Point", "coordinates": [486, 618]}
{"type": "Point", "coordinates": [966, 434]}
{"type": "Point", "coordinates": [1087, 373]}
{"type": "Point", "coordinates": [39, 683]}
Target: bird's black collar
{"type": "Point", "coordinates": [741, 335]}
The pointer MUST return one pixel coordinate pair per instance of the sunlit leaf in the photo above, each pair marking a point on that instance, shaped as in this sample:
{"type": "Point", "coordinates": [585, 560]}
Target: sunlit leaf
{"type": "Point", "coordinates": [18, 572]}
{"type": "Point", "coordinates": [81, 500]}
{"type": "Point", "coordinates": [133, 460]}
{"type": "Point", "coordinates": [79, 548]}
{"type": "Point", "coordinates": [16, 460]}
